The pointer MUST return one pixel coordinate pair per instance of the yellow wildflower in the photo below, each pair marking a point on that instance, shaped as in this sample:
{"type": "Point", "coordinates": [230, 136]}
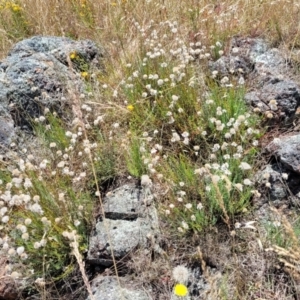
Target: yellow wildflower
{"type": "Point", "coordinates": [73, 55]}
{"type": "Point", "coordinates": [84, 74]}
{"type": "Point", "coordinates": [16, 7]}
{"type": "Point", "coordinates": [180, 290]}
{"type": "Point", "coordinates": [130, 107]}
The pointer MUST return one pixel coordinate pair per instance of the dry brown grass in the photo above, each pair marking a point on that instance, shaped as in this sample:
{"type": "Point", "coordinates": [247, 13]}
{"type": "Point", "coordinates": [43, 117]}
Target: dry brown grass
{"type": "Point", "coordinates": [111, 22]}
{"type": "Point", "coordinates": [289, 255]}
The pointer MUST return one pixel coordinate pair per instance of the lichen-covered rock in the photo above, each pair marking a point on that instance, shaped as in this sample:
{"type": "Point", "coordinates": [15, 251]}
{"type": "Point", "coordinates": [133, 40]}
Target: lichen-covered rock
{"type": "Point", "coordinates": [285, 92]}
{"type": "Point", "coordinates": [269, 73]}
{"type": "Point", "coordinates": [119, 236]}
{"type": "Point", "coordinates": [125, 203]}
{"type": "Point", "coordinates": [59, 47]}
{"type": "Point", "coordinates": [228, 65]}
{"type": "Point", "coordinates": [7, 130]}
{"type": "Point", "coordinates": [110, 288]}
{"type": "Point", "coordinates": [130, 220]}
{"type": "Point", "coordinates": [287, 150]}
{"type": "Point", "coordinates": [38, 73]}
{"type": "Point", "coordinates": [273, 175]}
{"type": "Point", "coordinates": [241, 58]}
{"type": "Point", "coordinates": [271, 61]}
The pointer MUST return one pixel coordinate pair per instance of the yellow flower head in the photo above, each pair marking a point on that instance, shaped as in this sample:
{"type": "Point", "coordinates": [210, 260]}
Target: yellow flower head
{"type": "Point", "coordinates": [130, 107]}
{"type": "Point", "coordinates": [73, 55]}
{"type": "Point", "coordinates": [180, 290]}
{"type": "Point", "coordinates": [16, 7]}
{"type": "Point", "coordinates": [84, 74]}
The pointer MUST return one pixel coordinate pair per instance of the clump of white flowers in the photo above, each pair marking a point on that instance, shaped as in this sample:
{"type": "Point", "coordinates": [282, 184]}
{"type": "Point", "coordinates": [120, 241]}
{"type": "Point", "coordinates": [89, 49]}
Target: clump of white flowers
{"type": "Point", "coordinates": [181, 274]}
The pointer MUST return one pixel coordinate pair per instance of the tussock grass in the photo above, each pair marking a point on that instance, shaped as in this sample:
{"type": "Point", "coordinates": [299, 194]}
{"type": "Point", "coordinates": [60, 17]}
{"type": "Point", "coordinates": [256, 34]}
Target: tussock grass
{"type": "Point", "coordinates": [157, 111]}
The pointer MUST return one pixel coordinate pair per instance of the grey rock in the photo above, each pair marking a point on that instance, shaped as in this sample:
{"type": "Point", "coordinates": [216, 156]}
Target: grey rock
{"type": "Point", "coordinates": [129, 220]}
{"type": "Point", "coordinates": [257, 48]}
{"type": "Point", "coordinates": [124, 237]}
{"type": "Point", "coordinates": [262, 58]}
{"type": "Point", "coordinates": [124, 203]}
{"type": "Point", "coordinates": [242, 56]}
{"type": "Point", "coordinates": [278, 191]}
{"type": "Point", "coordinates": [287, 150]}
{"type": "Point", "coordinates": [269, 72]}
{"type": "Point", "coordinates": [7, 130]}
{"type": "Point", "coordinates": [273, 175]}
{"type": "Point", "coordinates": [247, 46]}
{"type": "Point", "coordinates": [232, 65]}
{"type": "Point", "coordinates": [37, 74]}
{"type": "Point", "coordinates": [59, 47]}
{"type": "Point", "coordinates": [271, 61]}
{"type": "Point", "coordinates": [285, 92]}
{"type": "Point", "coordinates": [197, 284]}
{"type": "Point", "coordinates": [253, 98]}
{"type": "Point", "coordinates": [108, 288]}
{"type": "Point", "coordinates": [294, 184]}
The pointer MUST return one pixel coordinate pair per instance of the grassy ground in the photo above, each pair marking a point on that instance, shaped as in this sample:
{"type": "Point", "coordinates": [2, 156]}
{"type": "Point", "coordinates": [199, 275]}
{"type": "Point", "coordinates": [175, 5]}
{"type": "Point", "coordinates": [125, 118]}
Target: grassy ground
{"type": "Point", "coordinates": [156, 111]}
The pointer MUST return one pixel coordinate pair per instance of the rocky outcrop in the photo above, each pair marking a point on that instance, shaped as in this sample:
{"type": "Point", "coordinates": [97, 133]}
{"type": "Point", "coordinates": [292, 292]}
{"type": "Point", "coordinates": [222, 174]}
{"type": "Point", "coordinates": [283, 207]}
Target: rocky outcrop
{"type": "Point", "coordinates": [38, 73]}
{"type": "Point", "coordinates": [128, 221]}
{"type": "Point", "coordinates": [287, 150]}
{"type": "Point", "coordinates": [273, 89]}
{"type": "Point", "coordinates": [273, 92]}
{"type": "Point", "coordinates": [285, 92]}
{"type": "Point", "coordinates": [271, 182]}
{"type": "Point", "coordinates": [268, 73]}
{"type": "Point", "coordinates": [6, 129]}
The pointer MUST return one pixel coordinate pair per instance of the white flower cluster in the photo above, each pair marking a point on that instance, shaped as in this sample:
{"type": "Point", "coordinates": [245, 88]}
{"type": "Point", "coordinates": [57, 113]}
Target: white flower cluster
{"type": "Point", "coordinates": [23, 196]}
{"type": "Point", "coordinates": [161, 88]}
